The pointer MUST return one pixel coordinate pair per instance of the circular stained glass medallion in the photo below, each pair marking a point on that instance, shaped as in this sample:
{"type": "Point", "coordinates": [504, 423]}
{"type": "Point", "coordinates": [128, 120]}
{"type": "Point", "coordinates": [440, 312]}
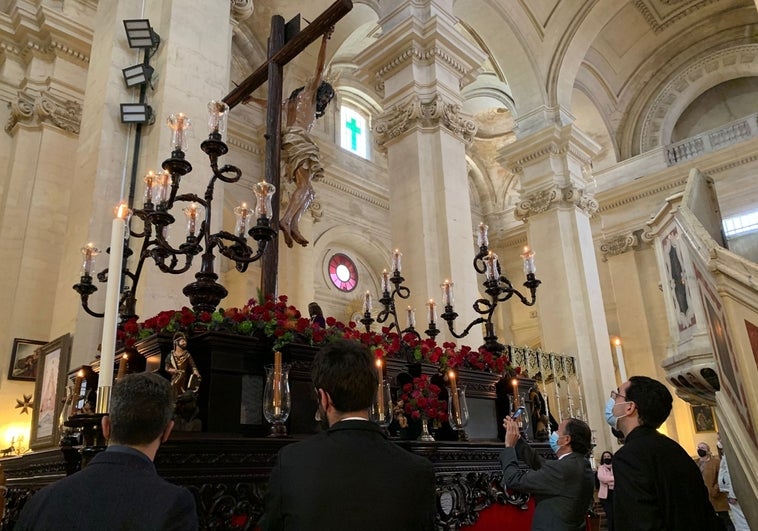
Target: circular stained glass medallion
{"type": "Point", "coordinates": [342, 272]}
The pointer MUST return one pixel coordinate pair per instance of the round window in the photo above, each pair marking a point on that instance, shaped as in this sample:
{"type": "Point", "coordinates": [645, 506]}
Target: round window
{"type": "Point", "coordinates": [342, 272]}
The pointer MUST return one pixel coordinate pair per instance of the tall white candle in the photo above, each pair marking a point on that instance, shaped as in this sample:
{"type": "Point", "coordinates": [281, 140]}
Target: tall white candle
{"type": "Point", "coordinates": [110, 321]}
{"type": "Point", "coordinates": [620, 360]}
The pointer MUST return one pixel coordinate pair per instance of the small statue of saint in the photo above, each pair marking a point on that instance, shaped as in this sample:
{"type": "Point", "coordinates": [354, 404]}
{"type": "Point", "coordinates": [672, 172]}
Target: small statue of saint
{"type": "Point", "coordinates": [181, 368]}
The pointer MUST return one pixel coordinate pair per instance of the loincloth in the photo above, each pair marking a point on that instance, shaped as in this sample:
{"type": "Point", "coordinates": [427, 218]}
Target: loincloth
{"type": "Point", "coordinates": [300, 150]}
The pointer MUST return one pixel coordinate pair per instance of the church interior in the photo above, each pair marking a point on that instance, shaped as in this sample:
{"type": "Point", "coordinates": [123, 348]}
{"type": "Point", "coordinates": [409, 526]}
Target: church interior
{"type": "Point", "coordinates": [615, 139]}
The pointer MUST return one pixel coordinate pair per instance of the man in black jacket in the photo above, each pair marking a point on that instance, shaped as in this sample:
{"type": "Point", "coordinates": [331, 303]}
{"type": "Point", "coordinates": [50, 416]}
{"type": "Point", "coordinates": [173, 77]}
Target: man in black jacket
{"type": "Point", "coordinates": [120, 488]}
{"type": "Point", "coordinates": [349, 476]}
{"type": "Point", "coordinates": [657, 485]}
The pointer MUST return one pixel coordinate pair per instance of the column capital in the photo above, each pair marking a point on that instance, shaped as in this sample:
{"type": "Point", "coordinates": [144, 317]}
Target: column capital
{"type": "Point", "coordinates": [554, 197]}
{"type": "Point", "coordinates": [44, 107]}
{"type": "Point", "coordinates": [415, 113]}
{"type": "Point", "coordinates": [241, 10]}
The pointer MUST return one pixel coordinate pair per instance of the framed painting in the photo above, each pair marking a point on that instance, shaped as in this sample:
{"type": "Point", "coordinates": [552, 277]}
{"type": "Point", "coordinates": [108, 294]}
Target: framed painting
{"type": "Point", "coordinates": [49, 392]}
{"type": "Point", "coordinates": [702, 416]}
{"type": "Point", "coordinates": [24, 359]}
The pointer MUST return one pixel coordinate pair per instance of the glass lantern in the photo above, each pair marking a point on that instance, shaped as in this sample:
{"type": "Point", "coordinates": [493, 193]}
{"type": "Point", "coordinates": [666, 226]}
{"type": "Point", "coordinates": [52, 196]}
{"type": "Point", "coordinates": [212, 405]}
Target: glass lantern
{"type": "Point", "coordinates": [277, 401]}
{"type": "Point", "coordinates": [381, 407]}
{"type": "Point", "coordinates": [457, 411]}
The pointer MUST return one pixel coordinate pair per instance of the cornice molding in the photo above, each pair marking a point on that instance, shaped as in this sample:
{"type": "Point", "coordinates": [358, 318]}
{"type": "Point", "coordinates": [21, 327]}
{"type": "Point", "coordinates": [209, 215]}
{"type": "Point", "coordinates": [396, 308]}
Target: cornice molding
{"type": "Point", "coordinates": [44, 107]}
{"type": "Point", "coordinates": [400, 118]}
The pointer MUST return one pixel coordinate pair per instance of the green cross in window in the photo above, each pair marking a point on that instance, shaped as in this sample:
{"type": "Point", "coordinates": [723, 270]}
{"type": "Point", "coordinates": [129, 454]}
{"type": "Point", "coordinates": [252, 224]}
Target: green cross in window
{"type": "Point", "coordinates": [352, 126]}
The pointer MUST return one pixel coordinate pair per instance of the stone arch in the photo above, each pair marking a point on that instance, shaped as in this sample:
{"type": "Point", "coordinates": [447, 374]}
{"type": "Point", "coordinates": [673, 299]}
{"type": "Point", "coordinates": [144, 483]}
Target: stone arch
{"type": "Point", "coordinates": [370, 255]}
{"type": "Point", "coordinates": [661, 114]}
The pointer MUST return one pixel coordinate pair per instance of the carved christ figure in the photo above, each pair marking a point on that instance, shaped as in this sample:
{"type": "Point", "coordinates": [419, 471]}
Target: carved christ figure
{"type": "Point", "coordinates": [301, 154]}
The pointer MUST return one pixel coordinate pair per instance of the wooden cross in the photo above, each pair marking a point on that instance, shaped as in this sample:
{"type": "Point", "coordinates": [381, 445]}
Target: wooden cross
{"type": "Point", "coordinates": [284, 44]}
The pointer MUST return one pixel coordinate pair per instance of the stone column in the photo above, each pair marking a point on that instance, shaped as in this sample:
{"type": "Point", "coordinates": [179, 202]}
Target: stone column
{"type": "Point", "coordinates": [556, 207]}
{"type": "Point", "coordinates": [419, 64]}
{"type": "Point", "coordinates": [622, 254]}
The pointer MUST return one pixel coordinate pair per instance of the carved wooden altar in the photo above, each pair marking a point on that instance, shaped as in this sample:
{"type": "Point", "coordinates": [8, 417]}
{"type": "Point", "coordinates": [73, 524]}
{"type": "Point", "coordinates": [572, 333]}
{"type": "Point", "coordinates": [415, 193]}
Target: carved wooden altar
{"type": "Point", "coordinates": [227, 465]}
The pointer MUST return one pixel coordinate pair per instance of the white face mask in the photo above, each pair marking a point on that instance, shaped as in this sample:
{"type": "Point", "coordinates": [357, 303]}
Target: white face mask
{"type": "Point", "coordinates": [610, 418]}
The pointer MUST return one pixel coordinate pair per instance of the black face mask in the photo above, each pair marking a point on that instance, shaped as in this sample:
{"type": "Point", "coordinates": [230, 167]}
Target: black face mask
{"type": "Point", "coordinates": [607, 461]}
{"type": "Point", "coordinates": [701, 452]}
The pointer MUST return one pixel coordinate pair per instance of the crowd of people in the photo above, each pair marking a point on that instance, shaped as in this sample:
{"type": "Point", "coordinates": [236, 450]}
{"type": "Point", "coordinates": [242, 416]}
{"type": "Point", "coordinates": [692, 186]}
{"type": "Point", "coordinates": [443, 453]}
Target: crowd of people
{"type": "Point", "coordinates": [650, 483]}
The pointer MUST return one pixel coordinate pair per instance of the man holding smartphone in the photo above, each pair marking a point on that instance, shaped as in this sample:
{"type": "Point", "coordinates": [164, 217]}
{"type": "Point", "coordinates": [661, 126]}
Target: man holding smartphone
{"type": "Point", "coordinates": [563, 487]}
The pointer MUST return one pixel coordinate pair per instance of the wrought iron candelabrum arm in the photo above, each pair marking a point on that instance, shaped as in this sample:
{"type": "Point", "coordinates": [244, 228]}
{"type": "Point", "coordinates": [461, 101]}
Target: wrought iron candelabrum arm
{"type": "Point", "coordinates": [205, 292]}
{"type": "Point", "coordinates": [499, 289]}
{"type": "Point", "coordinates": [389, 310]}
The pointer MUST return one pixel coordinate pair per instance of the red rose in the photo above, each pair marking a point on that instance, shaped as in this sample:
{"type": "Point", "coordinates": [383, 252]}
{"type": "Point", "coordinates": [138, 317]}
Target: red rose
{"type": "Point", "coordinates": [205, 317]}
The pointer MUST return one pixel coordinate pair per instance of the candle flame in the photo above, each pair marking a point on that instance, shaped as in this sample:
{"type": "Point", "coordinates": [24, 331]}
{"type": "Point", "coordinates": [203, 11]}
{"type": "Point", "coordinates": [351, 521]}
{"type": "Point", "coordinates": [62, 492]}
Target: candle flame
{"type": "Point", "coordinates": [80, 374]}
{"type": "Point", "coordinates": [122, 211]}
{"type": "Point", "coordinates": [378, 363]}
{"type": "Point", "coordinates": [617, 341]}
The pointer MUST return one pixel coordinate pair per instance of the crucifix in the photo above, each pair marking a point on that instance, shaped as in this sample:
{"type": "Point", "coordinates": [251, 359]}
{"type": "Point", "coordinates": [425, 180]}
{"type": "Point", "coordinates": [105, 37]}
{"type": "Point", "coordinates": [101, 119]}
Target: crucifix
{"type": "Point", "coordinates": [285, 42]}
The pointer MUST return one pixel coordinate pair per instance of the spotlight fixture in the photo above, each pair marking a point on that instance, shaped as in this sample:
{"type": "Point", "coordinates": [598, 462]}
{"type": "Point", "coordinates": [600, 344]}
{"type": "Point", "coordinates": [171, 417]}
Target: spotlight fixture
{"type": "Point", "coordinates": [136, 113]}
{"type": "Point", "coordinates": [140, 34]}
{"type": "Point", "coordinates": [137, 75]}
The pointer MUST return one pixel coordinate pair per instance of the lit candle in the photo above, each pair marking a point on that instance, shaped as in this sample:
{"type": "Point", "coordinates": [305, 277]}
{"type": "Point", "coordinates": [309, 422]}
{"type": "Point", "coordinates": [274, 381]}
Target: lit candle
{"type": "Point", "coordinates": [367, 302]}
{"type": "Point", "coordinates": [620, 359]}
{"type": "Point", "coordinates": [490, 263]}
{"type": "Point", "coordinates": [454, 397]}
{"type": "Point", "coordinates": [514, 382]}
{"type": "Point", "coordinates": [447, 294]}
{"type": "Point", "coordinates": [217, 114]}
{"type": "Point", "coordinates": [178, 123]}
{"type": "Point", "coordinates": [380, 388]}
{"type": "Point", "coordinates": [481, 239]}
{"type": "Point", "coordinates": [396, 261]}
{"type": "Point", "coordinates": [77, 390]}
{"type": "Point", "coordinates": [411, 318]}
{"type": "Point", "coordinates": [150, 181]}
{"type": "Point", "coordinates": [112, 291]}
{"type": "Point", "coordinates": [529, 267]}
{"type": "Point", "coordinates": [122, 366]}
{"type": "Point", "coordinates": [161, 188]}
{"type": "Point", "coordinates": [192, 212]}
{"type": "Point", "coordinates": [263, 194]}
{"type": "Point", "coordinates": [243, 216]}
{"type": "Point", "coordinates": [432, 311]}
{"type": "Point", "coordinates": [90, 252]}
{"type": "Point", "coordinates": [277, 383]}
{"type": "Point", "coordinates": [385, 281]}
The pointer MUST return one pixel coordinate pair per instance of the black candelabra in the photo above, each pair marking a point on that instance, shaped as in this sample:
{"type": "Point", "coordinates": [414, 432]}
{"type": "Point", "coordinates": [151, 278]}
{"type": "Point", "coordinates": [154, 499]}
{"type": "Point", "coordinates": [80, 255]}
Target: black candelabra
{"type": "Point", "coordinates": [392, 288]}
{"type": "Point", "coordinates": [497, 286]}
{"type": "Point", "coordinates": [161, 195]}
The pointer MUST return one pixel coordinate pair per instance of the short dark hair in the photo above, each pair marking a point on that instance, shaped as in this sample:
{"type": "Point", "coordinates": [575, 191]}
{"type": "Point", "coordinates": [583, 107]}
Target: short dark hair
{"type": "Point", "coordinates": [345, 369]}
{"type": "Point", "coordinates": [141, 407]}
{"type": "Point", "coordinates": [581, 436]}
{"type": "Point", "coordinates": [652, 398]}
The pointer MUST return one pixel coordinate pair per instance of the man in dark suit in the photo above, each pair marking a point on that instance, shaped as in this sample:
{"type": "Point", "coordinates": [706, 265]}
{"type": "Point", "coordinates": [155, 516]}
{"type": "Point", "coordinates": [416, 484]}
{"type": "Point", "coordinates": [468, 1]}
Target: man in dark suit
{"type": "Point", "coordinates": [119, 488]}
{"type": "Point", "coordinates": [657, 485]}
{"type": "Point", "coordinates": [563, 487]}
{"type": "Point", "coordinates": [349, 476]}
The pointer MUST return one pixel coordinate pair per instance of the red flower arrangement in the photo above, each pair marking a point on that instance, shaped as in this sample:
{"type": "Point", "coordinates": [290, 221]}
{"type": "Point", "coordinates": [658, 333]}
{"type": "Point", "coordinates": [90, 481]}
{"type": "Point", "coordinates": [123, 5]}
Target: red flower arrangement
{"type": "Point", "coordinates": [283, 324]}
{"type": "Point", "coordinates": [421, 399]}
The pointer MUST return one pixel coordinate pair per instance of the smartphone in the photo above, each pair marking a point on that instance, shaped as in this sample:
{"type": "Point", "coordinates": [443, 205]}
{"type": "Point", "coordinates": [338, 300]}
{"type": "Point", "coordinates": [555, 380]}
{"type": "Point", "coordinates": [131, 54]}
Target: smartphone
{"type": "Point", "coordinates": [518, 412]}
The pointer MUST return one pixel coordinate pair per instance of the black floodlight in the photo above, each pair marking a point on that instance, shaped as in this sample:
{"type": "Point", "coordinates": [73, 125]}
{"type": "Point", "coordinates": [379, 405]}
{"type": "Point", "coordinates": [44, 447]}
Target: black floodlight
{"type": "Point", "coordinates": [138, 75]}
{"type": "Point", "coordinates": [140, 34]}
{"type": "Point", "coordinates": [136, 113]}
